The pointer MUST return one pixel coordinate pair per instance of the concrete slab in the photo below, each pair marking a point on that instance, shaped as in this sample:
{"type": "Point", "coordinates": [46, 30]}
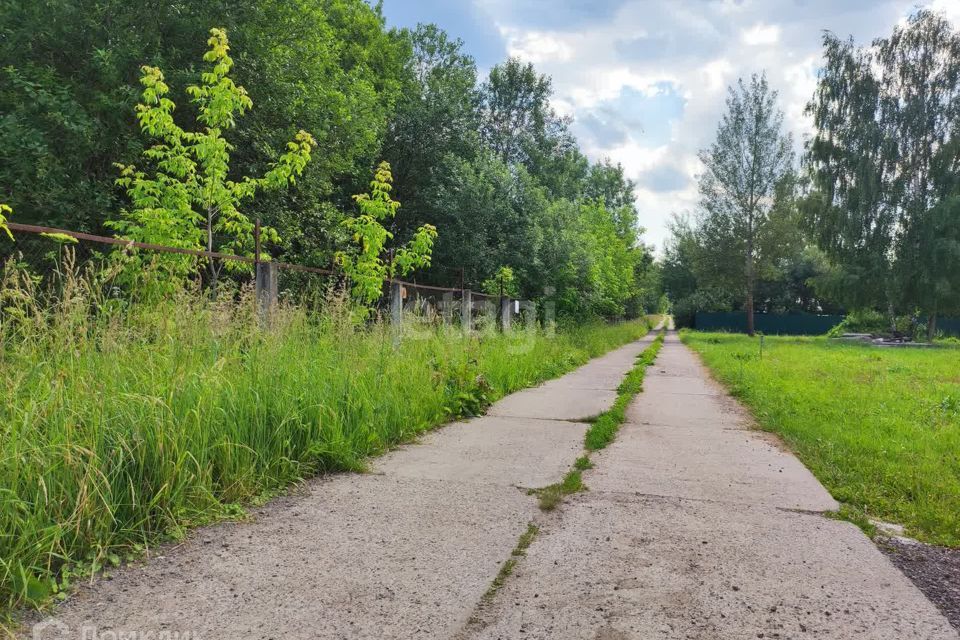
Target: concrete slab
{"type": "Point", "coordinates": [678, 410]}
{"type": "Point", "coordinates": [521, 452]}
{"type": "Point", "coordinates": [659, 385]}
{"type": "Point", "coordinates": [616, 567]}
{"type": "Point", "coordinates": [731, 466]}
{"type": "Point", "coordinates": [555, 403]}
{"type": "Point", "coordinates": [605, 378]}
{"type": "Point", "coordinates": [359, 557]}
{"type": "Point", "coordinates": [604, 373]}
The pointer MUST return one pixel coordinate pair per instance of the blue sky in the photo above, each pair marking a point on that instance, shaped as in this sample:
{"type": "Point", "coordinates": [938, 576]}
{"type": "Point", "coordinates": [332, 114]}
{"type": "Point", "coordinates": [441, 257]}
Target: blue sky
{"type": "Point", "coordinates": [645, 80]}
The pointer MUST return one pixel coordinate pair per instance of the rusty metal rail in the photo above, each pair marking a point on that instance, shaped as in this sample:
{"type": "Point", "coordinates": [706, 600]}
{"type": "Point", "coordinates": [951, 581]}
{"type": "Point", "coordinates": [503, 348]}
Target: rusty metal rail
{"type": "Point", "coordinates": [89, 237]}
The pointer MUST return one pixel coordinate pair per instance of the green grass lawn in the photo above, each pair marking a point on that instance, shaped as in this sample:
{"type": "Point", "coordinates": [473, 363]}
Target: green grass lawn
{"type": "Point", "coordinates": [879, 427]}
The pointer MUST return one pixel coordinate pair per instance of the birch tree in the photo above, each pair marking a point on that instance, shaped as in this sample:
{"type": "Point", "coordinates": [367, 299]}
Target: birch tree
{"type": "Point", "coordinates": [744, 165]}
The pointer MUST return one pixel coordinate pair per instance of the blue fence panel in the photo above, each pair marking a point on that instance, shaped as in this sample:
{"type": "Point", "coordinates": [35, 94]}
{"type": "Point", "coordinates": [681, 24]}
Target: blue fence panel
{"type": "Point", "coordinates": [948, 326]}
{"type": "Point", "coordinates": [799, 324]}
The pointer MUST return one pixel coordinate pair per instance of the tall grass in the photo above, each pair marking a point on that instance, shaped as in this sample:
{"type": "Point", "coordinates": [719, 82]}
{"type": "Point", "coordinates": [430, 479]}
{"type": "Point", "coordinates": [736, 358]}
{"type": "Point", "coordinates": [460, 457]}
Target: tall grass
{"type": "Point", "coordinates": [879, 427]}
{"type": "Point", "coordinates": [122, 424]}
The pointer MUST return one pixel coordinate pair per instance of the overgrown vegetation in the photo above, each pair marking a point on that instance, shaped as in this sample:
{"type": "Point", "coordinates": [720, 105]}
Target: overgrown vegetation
{"type": "Point", "coordinates": [122, 424]}
{"type": "Point", "coordinates": [880, 428]}
{"type": "Point", "coordinates": [487, 162]}
{"type": "Point", "coordinates": [187, 199]}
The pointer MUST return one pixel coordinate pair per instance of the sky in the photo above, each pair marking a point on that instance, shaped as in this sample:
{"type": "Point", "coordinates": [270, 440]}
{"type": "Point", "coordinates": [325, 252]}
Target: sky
{"type": "Point", "coordinates": [645, 80]}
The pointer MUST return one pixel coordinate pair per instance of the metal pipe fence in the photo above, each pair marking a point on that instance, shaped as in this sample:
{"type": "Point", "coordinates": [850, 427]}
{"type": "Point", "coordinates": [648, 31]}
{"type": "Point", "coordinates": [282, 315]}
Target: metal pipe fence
{"type": "Point", "coordinates": [276, 281]}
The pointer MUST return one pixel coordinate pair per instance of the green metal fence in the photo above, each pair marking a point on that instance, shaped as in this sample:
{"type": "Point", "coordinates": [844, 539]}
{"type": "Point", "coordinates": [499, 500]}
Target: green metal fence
{"type": "Point", "coordinates": [793, 324]}
{"type": "Point", "coordinates": [800, 324]}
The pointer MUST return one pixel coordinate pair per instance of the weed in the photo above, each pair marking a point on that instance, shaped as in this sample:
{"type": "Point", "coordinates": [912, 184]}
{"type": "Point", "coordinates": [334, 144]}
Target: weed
{"type": "Point", "coordinates": [605, 426]}
{"type": "Point", "coordinates": [506, 569]}
{"type": "Point", "coordinates": [551, 496]}
{"type": "Point", "coordinates": [583, 463]}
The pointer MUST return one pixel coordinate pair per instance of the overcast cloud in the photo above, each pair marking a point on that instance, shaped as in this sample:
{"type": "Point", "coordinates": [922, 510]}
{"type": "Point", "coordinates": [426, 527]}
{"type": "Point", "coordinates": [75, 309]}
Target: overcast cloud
{"type": "Point", "coordinates": [645, 81]}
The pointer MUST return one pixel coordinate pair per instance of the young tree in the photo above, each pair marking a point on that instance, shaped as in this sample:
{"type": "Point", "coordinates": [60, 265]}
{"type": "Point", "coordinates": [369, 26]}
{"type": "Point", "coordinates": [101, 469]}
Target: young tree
{"type": "Point", "coordinates": [189, 201]}
{"type": "Point", "coordinates": [5, 210]}
{"type": "Point", "coordinates": [749, 158]}
{"type": "Point", "coordinates": [369, 267]}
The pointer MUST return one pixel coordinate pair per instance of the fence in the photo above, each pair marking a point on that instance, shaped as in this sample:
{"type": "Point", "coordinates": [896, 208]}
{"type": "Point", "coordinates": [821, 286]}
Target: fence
{"type": "Point", "coordinates": [795, 324]}
{"type": "Point", "coordinates": [801, 324]}
{"type": "Point", "coordinates": [273, 279]}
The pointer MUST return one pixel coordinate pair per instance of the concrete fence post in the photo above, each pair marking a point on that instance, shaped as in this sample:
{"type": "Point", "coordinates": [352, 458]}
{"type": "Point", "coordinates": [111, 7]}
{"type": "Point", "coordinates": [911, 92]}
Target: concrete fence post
{"type": "Point", "coordinates": [447, 308]}
{"type": "Point", "coordinates": [396, 303]}
{"type": "Point", "coordinates": [466, 310]}
{"type": "Point", "coordinates": [506, 314]}
{"type": "Point", "coordinates": [266, 289]}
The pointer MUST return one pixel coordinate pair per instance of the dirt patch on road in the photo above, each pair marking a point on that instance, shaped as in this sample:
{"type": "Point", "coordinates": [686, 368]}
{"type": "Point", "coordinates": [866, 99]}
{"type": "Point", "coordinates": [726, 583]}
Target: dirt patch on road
{"type": "Point", "coordinates": [935, 571]}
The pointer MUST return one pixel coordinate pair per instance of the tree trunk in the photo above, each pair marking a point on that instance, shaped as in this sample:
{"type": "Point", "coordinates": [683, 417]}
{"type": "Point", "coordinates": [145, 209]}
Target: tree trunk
{"type": "Point", "coordinates": [213, 266]}
{"type": "Point", "coordinates": [749, 304]}
{"type": "Point", "coordinates": [932, 326]}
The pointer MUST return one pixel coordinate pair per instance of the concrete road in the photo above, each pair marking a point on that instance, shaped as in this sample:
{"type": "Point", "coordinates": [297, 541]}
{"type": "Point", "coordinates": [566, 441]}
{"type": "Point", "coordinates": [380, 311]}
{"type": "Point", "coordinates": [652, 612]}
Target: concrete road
{"type": "Point", "coordinates": [697, 527]}
{"type": "Point", "coordinates": [406, 551]}
{"type": "Point", "coordinates": [694, 527]}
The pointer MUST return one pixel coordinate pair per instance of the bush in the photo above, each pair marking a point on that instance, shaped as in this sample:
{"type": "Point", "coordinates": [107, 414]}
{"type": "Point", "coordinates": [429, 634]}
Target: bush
{"type": "Point", "coordinates": [875, 323]}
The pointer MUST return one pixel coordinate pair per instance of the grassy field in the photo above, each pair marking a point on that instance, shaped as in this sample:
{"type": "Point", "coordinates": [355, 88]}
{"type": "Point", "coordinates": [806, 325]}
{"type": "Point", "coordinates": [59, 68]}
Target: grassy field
{"type": "Point", "coordinates": [879, 427]}
{"type": "Point", "coordinates": [124, 427]}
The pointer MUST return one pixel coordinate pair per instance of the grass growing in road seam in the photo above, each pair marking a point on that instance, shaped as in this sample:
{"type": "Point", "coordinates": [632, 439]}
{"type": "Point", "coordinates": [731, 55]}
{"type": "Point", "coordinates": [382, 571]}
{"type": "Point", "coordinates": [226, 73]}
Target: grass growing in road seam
{"type": "Point", "coordinates": [602, 431]}
{"type": "Point", "coordinates": [880, 428]}
{"type": "Point", "coordinates": [506, 569]}
{"type": "Point", "coordinates": [553, 495]}
{"type": "Point", "coordinates": [605, 427]}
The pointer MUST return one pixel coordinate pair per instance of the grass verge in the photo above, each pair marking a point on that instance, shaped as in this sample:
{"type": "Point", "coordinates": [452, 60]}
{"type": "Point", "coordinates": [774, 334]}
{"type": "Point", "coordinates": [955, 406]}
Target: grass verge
{"type": "Point", "coordinates": [879, 427]}
{"type": "Point", "coordinates": [125, 425]}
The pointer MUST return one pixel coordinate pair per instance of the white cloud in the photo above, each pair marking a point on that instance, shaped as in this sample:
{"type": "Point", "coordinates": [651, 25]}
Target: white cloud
{"type": "Point", "coordinates": [536, 46]}
{"type": "Point", "coordinates": [760, 34]}
{"type": "Point", "coordinates": [696, 49]}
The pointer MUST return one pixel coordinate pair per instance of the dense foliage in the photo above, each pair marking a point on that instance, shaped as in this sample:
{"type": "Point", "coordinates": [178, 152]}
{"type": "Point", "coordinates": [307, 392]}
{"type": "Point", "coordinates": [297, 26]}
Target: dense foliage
{"type": "Point", "coordinates": [487, 162]}
{"type": "Point", "coordinates": [884, 163]}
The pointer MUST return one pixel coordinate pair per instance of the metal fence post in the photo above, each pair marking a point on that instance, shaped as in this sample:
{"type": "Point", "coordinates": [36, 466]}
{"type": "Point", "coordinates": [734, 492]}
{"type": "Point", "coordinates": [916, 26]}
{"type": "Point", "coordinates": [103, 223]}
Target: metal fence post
{"type": "Point", "coordinates": [266, 289]}
{"type": "Point", "coordinates": [396, 303]}
{"type": "Point", "coordinates": [466, 310]}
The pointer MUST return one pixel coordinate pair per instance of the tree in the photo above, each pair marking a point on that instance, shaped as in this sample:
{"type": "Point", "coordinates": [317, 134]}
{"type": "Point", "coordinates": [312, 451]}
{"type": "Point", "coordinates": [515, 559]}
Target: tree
{"type": "Point", "coordinates": [743, 167]}
{"type": "Point", "coordinates": [368, 268]}
{"type": "Point", "coordinates": [5, 210]}
{"type": "Point", "coordinates": [189, 201]}
{"type": "Point", "coordinates": [920, 109]}
{"type": "Point", "coordinates": [67, 88]}
{"type": "Point", "coordinates": [436, 119]}
{"type": "Point", "coordinates": [515, 106]}
{"type": "Point", "coordinates": [436, 113]}
{"type": "Point", "coordinates": [608, 183]}
{"type": "Point", "coordinates": [884, 161]}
